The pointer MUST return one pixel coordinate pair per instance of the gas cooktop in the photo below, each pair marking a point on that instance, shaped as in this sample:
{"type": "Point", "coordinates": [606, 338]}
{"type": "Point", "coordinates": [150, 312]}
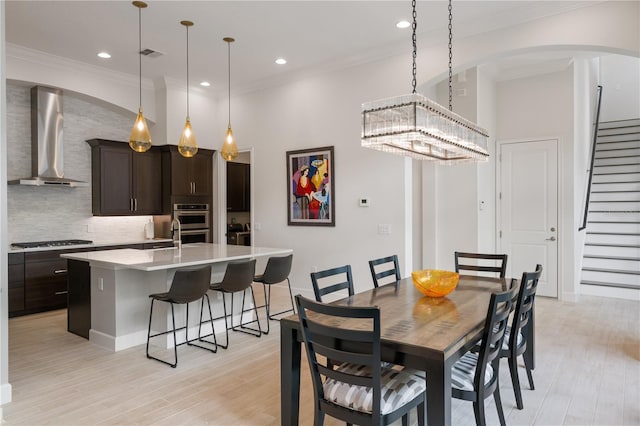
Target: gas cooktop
{"type": "Point", "coordinates": [57, 243]}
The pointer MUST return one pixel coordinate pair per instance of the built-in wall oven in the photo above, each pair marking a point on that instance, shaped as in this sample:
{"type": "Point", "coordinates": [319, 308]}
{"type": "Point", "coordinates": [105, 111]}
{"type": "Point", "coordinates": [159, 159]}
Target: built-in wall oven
{"type": "Point", "coordinates": [194, 222]}
{"type": "Point", "coordinates": [192, 216]}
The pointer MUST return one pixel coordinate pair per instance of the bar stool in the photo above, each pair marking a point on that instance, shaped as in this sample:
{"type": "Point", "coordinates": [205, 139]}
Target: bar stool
{"type": "Point", "coordinates": [238, 277]}
{"type": "Point", "coordinates": [276, 271]}
{"type": "Point", "coordinates": [187, 286]}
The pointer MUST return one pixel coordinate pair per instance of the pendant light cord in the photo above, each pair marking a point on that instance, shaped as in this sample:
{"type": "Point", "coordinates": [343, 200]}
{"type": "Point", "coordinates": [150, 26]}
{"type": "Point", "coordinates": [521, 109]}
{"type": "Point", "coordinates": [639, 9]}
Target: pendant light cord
{"type": "Point", "coordinates": [414, 25]}
{"type": "Point", "coordinates": [187, 27]}
{"type": "Point", "coordinates": [229, 78]}
{"type": "Point", "coordinates": [140, 53]}
{"type": "Point", "coordinates": [450, 58]}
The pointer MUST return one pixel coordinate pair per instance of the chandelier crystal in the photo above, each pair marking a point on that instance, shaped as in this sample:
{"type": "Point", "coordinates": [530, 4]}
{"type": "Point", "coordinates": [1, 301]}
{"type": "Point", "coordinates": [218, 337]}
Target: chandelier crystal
{"type": "Point", "coordinates": [417, 127]}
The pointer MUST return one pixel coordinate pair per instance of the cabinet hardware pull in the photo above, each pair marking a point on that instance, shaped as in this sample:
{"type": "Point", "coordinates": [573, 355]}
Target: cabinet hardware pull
{"type": "Point", "coordinates": [60, 271]}
{"type": "Point", "coordinates": [130, 204]}
{"type": "Point", "coordinates": [194, 187]}
{"type": "Point", "coordinates": [135, 204]}
{"type": "Point", "coordinates": [57, 293]}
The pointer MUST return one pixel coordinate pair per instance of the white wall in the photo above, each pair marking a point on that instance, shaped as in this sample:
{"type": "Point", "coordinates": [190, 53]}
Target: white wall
{"type": "Point", "coordinates": [537, 108]}
{"type": "Point", "coordinates": [586, 77]}
{"type": "Point", "coordinates": [313, 112]}
{"type": "Point", "coordinates": [5, 386]}
{"type": "Point", "coordinates": [620, 79]}
{"type": "Point", "coordinates": [457, 194]}
{"type": "Point", "coordinates": [487, 171]}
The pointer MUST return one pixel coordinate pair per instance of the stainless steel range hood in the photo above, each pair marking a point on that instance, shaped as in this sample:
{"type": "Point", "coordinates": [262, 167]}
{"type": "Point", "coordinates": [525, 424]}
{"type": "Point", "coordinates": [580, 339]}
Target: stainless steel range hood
{"type": "Point", "coordinates": [47, 161]}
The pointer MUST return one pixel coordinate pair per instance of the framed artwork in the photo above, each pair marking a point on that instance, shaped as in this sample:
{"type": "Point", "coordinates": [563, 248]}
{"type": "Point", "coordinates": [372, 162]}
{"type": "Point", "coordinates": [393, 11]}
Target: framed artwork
{"type": "Point", "coordinates": [311, 187]}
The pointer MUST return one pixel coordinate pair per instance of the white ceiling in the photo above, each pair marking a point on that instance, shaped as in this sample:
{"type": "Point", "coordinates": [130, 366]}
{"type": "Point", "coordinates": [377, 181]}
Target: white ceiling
{"type": "Point", "coordinates": [309, 34]}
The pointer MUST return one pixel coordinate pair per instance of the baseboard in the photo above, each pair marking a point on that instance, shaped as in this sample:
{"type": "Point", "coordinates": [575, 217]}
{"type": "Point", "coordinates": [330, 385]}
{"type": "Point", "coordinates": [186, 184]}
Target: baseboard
{"type": "Point", "coordinates": [613, 292]}
{"type": "Point", "coordinates": [5, 395]}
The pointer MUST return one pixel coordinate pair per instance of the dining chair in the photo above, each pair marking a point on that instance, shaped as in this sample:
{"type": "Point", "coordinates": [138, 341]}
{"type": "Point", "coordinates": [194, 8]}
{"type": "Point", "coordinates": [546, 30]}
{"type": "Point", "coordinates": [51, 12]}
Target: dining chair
{"type": "Point", "coordinates": [187, 286]}
{"type": "Point", "coordinates": [331, 281]}
{"type": "Point", "coordinates": [487, 262]}
{"type": "Point", "coordinates": [276, 271]}
{"type": "Point", "coordinates": [475, 376]}
{"type": "Point", "coordinates": [383, 268]}
{"type": "Point", "coordinates": [517, 335]}
{"type": "Point", "coordinates": [358, 388]}
{"type": "Point", "coordinates": [238, 278]}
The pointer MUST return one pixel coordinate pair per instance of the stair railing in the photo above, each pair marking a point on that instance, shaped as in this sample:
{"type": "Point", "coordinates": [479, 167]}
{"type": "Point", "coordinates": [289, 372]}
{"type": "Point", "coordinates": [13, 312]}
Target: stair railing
{"type": "Point", "coordinates": [596, 124]}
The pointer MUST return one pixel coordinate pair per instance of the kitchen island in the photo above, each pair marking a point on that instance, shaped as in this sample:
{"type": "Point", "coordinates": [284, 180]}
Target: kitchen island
{"type": "Point", "coordinates": [121, 281]}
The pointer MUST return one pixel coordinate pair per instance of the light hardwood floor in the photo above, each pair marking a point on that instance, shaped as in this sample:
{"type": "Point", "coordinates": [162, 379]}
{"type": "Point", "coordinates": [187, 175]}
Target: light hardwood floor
{"type": "Point", "coordinates": [588, 372]}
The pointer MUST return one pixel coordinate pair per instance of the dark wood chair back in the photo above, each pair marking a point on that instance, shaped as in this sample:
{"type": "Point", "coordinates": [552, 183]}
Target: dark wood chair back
{"type": "Point", "coordinates": [354, 347]}
{"type": "Point", "coordinates": [484, 262]}
{"type": "Point", "coordinates": [521, 341]}
{"type": "Point", "coordinates": [383, 268]}
{"type": "Point", "coordinates": [331, 281]}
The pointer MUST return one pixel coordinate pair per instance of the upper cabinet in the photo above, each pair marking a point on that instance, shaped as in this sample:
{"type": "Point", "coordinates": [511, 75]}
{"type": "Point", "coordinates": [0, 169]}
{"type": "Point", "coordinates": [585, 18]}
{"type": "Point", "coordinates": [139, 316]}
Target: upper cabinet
{"type": "Point", "coordinates": [125, 182]}
{"type": "Point", "coordinates": [238, 187]}
{"type": "Point", "coordinates": [187, 176]}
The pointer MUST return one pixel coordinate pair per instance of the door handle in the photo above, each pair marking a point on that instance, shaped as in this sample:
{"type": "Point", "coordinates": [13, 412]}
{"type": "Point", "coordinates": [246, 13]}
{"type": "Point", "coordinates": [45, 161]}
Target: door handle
{"type": "Point", "coordinates": [60, 271]}
{"type": "Point", "coordinates": [550, 239]}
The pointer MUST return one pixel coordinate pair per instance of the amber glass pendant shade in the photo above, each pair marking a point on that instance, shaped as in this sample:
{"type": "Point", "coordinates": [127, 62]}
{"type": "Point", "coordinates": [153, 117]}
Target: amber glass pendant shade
{"type": "Point", "coordinates": [140, 139]}
{"type": "Point", "coordinates": [229, 148]}
{"type": "Point", "coordinates": [187, 147]}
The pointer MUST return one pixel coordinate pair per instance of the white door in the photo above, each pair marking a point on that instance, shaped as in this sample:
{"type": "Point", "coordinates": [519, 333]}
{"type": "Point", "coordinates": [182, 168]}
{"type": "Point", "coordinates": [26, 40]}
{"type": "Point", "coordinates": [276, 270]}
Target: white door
{"type": "Point", "coordinates": [528, 210]}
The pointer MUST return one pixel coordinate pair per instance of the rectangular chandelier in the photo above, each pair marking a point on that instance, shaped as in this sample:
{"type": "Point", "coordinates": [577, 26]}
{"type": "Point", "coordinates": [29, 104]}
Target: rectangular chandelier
{"type": "Point", "coordinates": [417, 127]}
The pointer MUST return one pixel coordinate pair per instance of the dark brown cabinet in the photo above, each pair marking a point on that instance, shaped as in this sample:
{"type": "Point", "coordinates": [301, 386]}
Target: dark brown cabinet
{"type": "Point", "coordinates": [125, 182]}
{"type": "Point", "coordinates": [238, 187]}
{"type": "Point", "coordinates": [186, 176]}
{"type": "Point", "coordinates": [16, 283]}
{"type": "Point", "coordinates": [45, 280]}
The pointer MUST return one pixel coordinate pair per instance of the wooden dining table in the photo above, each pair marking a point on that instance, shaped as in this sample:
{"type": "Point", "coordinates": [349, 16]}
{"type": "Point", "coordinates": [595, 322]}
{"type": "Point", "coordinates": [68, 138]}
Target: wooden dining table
{"type": "Point", "coordinates": [425, 333]}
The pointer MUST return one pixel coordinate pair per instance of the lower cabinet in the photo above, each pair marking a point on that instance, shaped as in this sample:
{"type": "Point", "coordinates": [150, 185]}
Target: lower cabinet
{"type": "Point", "coordinates": [79, 309]}
{"type": "Point", "coordinates": [45, 281]}
{"type": "Point", "coordinates": [40, 281]}
{"type": "Point", "coordinates": [16, 283]}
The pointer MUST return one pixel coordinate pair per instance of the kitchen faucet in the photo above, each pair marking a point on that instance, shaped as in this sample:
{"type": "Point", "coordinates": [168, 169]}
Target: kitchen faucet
{"type": "Point", "coordinates": [176, 242]}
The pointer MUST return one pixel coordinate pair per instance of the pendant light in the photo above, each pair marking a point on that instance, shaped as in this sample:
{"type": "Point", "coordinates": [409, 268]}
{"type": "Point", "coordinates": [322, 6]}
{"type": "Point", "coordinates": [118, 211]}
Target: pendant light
{"type": "Point", "coordinates": [187, 146]}
{"type": "Point", "coordinates": [229, 148]}
{"type": "Point", "coordinates": [140, 139]}
{"type": "Point", "coordinates": [415, 126]}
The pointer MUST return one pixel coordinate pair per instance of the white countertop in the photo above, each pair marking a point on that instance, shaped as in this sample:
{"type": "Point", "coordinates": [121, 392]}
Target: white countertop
{"type": "Point", "coordinates": [170, 258]}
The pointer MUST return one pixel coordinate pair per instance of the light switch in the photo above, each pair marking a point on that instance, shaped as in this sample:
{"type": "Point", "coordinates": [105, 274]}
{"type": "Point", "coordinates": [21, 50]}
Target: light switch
{"type": "Point", "coordinates": [384, 229]}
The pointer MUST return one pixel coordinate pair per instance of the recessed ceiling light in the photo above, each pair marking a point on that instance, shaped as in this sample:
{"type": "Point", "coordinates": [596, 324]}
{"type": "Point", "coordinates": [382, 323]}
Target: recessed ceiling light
{"type": "Point", "coordinates": [403, 24]}
{"type": "Point", "coordinates": [104, 55]}
{"type": "Point", "coordinates": [281, 61]}
{"type": "Point", "coordinates": [205, 84]}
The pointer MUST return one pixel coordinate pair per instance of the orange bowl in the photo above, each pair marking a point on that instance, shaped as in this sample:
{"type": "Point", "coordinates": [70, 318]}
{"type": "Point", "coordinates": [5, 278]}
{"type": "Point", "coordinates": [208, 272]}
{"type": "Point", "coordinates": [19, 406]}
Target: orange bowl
{"type": "Point", "coordinates": [435, 282]}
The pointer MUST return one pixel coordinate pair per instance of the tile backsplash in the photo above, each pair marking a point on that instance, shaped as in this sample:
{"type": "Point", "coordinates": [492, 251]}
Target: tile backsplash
{"type": "Point", "coordinates": [37, 213]}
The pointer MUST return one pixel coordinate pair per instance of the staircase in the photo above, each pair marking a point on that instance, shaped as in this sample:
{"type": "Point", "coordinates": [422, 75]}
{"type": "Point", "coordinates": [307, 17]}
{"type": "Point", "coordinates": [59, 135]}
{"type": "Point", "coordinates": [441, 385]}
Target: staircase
{"type": "Point", "coordinates": [612, 248]}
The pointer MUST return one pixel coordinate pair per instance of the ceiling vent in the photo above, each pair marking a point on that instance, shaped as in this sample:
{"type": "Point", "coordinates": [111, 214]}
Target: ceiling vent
{"type": "Point", "coordinates": [151, 53]}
